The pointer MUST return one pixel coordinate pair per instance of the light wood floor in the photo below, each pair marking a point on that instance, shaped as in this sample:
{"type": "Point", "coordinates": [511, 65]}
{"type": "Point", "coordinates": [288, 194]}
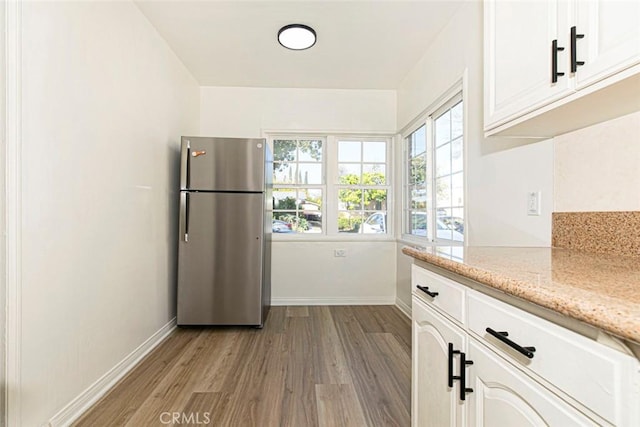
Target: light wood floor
{"type": "Point", "coordinates": [310, 366]}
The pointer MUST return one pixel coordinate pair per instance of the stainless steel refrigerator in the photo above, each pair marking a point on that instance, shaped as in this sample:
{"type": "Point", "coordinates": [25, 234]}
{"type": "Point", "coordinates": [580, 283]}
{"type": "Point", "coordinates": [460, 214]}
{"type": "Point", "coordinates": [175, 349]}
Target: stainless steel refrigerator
{"type": "Point", "coordinates": [224, 267]}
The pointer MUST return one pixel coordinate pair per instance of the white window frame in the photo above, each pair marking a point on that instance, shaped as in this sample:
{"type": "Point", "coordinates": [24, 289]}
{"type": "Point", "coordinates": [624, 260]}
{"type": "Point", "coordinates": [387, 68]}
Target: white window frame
{"type": "Point", "coordinates": [450, 98]}
{"type": "Point", "coordinates": [387, 186]}
{"type": "Point", "coordinates": [322, 186]}
{"type": "Point", "coordinates": [332, 184]}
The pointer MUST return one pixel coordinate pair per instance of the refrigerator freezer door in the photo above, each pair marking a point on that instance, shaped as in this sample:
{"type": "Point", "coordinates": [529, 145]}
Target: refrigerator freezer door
{"type": "Point", "coordinates": [222, 164]}
{"type": "Point", "coordinates": [220, 266]}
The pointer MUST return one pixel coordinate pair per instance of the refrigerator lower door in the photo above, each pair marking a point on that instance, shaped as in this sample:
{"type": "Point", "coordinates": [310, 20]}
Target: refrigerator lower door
{"type": "Point", "coordinates": [220, 263]}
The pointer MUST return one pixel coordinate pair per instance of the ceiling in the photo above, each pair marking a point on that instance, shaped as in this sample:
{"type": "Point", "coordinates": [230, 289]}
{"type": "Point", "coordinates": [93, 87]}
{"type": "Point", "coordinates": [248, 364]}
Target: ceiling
{"type": "Point", "coordinates": [361, 44]}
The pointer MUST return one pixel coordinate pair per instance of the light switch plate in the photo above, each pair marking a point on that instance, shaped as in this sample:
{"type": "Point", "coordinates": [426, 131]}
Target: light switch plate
{"type": "Point", "coordinates": [533, 203]}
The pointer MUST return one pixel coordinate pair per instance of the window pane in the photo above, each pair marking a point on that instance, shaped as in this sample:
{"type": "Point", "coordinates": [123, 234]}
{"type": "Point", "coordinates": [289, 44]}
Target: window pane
{"type": "Point", "coordinates": [294, 222]}
{"type": "Point", "coordinates": [310, 210]}
{"type": "Point", "coordinates": [297, 211]}
{"type": "Point", "coordinates": [444, 213]}
{"type": "Point", "coordinates": [349, 222]}
{"type": "Point", "coordinates": [442, 230]}
{"type": "Point", "coordinates": [374, 152]}
{"type": "Point", "coordinates": [311, 195]}
{"type": "Point", "coordinates": [309, 173]}
{"type": "Point", "coordinates": [349, 151]}
{"type": "Point", "coordinates": [457, 190]}
{"type": "Point", "coordinates": [418, 198]}
{"type": "Point", "coordinates": [457, 221]}
{"type": "Point", "coordinates": [375, 200]}
{"type": "Point", "coordinates": [457, 161]}
{"type": "Point", "coordinates": [282, 223]}
{"type": "Point", "coordinates": [284, 173]}
{"type": "Point", "coordinates": [350, 199]}
{"type": "Point", "coordinates": [284, 199]}
{"type": "Point", "coordinates": [418, 170]}
{"type": "Point", "coordinates": [443, 192]}
{"type": "Point", "coordinates": [443, 128]}
{"type": "Point", "coordinates": [373, 174]}
{"type": "Point", "coordinates": [443, 160]}
{"type": "Point", "coordinates": [349, 174]}
{"type": "Point", "coordinates": [418, 221]}
{"type": "Point", "coordinates": [374, 223]}
{"type": "Point", "coordinates": [418, 142]}
{"type": "Point", "coordinates": [454, 220]}
{"type": "Point", "coordinates": [310, 151]}
{"type": "Point", "coordinates": [456, 120]}
{"type": "Point", "coordinates": [284, 150]}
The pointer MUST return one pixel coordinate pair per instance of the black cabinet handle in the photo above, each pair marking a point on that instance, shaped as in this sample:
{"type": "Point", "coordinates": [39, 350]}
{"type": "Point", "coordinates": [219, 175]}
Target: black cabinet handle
{"type": "Point", "coordinates": [450, 377]}
{"type": "Point", "coordinates": [426, 290]}
{"type": "Point", "coordinates": [574, 52]}
{"type": "Point", "coordinates": [554, 61]}
{"type": "Point", "coordinates": [463, 376]}
{"type": "Point", "coordinates": [502, 336]}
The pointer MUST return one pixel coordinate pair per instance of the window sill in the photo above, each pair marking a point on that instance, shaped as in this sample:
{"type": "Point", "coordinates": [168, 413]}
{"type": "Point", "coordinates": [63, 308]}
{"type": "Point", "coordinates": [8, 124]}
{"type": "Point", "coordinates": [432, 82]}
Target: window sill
{"type": "Point", "coordinates": [284, 238]}
{"type": "Point", "coordinates": [406, 240]}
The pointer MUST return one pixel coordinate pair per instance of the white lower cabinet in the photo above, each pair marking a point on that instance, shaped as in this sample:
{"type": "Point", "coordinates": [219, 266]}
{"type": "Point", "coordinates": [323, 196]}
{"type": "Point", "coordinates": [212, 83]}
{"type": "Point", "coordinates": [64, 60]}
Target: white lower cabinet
{"type": "Point", "coordinates": [495, 365]}
{"type": "Point", "coordinates": [434, 403]}
{"type": "Point", "coordinates": [506, 397]}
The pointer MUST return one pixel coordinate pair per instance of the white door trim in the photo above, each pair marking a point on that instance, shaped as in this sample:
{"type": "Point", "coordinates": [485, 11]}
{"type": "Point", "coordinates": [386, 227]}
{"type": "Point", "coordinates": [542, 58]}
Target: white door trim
{"type": "Point", "coordinates": [13, 210]}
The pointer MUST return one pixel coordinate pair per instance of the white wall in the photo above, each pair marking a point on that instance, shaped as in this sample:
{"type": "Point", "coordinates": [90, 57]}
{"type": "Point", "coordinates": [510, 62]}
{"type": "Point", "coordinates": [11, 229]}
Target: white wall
{"type": "Point", "coordinates": [104, 104]}
{"type": "Point", "coordinates": [2, 220]}
{"type": "Point", "coordinates": [247, 112]}
{"type": "Point", "coordinates": [499, 172]}
{"type": "Point", "coordinates": [597, 168]}
{"type": "Point", "coordinates": [307, 272]}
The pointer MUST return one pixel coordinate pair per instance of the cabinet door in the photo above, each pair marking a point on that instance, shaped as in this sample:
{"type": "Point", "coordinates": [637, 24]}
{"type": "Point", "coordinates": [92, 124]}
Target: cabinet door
{"type": "Point", "coordinates": [506, 397]}
{"type": "Point", "coordinates": [433, 402]}
{"type": "Point", "coordinates": [518, 39]}
{"type": "Point", "coordinates": [611, 40]}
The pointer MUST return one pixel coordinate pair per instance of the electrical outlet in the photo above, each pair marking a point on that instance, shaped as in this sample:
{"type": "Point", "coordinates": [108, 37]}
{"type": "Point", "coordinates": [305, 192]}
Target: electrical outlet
{"type": "Point", "coordinates": [340, 253]}
{"type": "Point", "coordinates": [533, 203]}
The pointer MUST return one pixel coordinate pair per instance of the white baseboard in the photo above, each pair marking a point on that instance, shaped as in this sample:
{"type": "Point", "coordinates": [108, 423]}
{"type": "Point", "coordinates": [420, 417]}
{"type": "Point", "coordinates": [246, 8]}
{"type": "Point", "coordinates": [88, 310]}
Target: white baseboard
{"type": "Point", "coordinates": [406, 309]}
{"type": "Point", "coordinates": [334, 301]}
{"type": "Point", "coordinates": [91, 395]}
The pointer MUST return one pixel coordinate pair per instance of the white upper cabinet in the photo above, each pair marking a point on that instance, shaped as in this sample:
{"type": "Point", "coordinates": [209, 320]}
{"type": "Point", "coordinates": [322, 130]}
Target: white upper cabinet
{"type": "Point", "coordinates": [611, 38]}
{"type": "Point", "coordinates": [518, 56]}
{"type": "Point", "coordinates": [554, 66]}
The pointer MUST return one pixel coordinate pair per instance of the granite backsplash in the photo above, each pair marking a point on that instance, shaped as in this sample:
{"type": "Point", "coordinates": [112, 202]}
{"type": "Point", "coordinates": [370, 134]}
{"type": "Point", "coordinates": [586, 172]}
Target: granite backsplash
{"type": "Point", "coordinates": [615, 233]}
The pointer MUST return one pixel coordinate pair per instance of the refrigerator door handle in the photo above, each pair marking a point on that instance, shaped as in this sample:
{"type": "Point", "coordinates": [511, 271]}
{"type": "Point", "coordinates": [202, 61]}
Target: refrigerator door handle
{"type": "Point", "coordinates": [185, 154]}
{"type": "Point", "coordinates": [184, 215]}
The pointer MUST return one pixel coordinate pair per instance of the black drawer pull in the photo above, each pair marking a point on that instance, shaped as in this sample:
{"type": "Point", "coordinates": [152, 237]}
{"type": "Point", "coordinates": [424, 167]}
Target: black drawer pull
{"type": "Point", "coordinates": [502, 336]}
{"type": "Point", "coordinates": [426, 290]}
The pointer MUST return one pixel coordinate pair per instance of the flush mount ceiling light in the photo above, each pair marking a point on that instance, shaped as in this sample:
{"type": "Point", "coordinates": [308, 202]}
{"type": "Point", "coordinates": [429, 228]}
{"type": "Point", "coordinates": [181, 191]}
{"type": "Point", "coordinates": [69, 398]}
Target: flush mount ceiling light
{"type": "Point", "coordinates": [297, 36]}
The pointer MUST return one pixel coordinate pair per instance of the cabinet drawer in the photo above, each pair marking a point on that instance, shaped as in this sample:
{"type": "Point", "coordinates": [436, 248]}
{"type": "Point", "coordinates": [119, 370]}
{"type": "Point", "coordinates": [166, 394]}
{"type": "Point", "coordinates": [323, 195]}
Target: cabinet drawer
{"type": "Point", "coordinates": [585, 370]}
{"type": "Point", "coordinates": [450, 298]}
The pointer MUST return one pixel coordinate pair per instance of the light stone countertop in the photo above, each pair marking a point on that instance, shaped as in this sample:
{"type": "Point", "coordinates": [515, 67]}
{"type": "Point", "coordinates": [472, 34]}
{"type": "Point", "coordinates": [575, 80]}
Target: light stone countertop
{"type": "Point", "coordinates": [601, 290]}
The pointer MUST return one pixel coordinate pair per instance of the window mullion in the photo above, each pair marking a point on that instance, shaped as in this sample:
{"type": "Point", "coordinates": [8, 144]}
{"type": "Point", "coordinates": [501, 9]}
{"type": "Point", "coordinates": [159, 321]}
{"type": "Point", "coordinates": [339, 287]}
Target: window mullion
{"type": "Point", "coordinates": [430, 180]}
{"type": "Point", "coordinates": [331, 191]}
